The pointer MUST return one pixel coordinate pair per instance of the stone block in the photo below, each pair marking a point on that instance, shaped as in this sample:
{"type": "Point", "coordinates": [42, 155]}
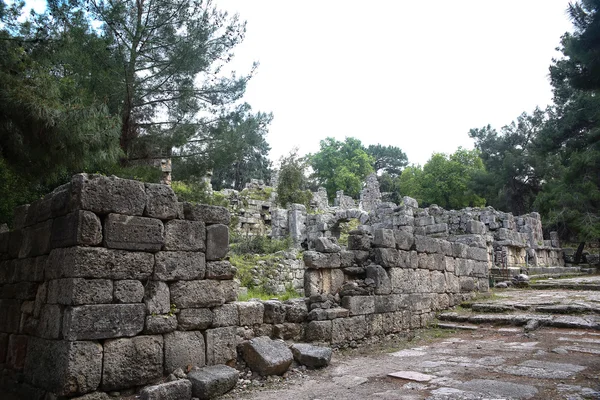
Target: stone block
{"type": "Point", "coordinates": [3, 347]}
{"type": "Point", "coordinates": [36, 240]}
{"type": "Point", "coordinates": [419, 302]}
{"type": "Point", "coordinates": [358, 305]}
{"type": "Point", "coordinates": [410, 202]}
{"type": "Point", "coordinates": [477, 254]}
{"type": "Point", "coordinates": [217, 241]}
{"type": "Point", "coordinates": [384, 238]}
{"type": "Point", "coordinates": [311, 356]}
{"type": "Point", "coordinates": [326, 245]}
{"type": "Point", "coordinates": [185, 235]}
{"type": "Point", "coordinates": [50, 322]}
{"type": "Point", "coordinates": [452, 283]}
{"type": "Point", "coordinates": [475, 227]}
{"type": "Point", "coordinates": [197, 294]}
{"type": "Point", "coordinates": [296, 310]}
{"type": "Point", "coordinates": [157, 298]}
{"type": "Point", "coordinates": [15, 238]}
{"type": "Point", "coordinates": [230, 290]}
{"type": "Point", "coordinates": [161, 202]}
{"type": "Point", "coordinates": [79, 228]}
{"type": "Point", "coordinates": [30, 269]}
{"type": "Point", "coordinates": [381, 280]}
{"type": "Point", "coordinates": [103, 321]}
{"type": "Point", "coordinates": [132, 362]}
{"type": "Point", "coordinates": [387, 257]}
{"type": "Point", "coordinates": [426, 244]}
{"type": "Point", "coordinates": [388, 303]}
{"type": "Point", "coordinates": [104, 195]}
{"type": "Point", "coordinates": [20, 216]}
{"type": "Point", "coordinates": [274, 312]}
{"type": "Point", "coordinates": [208, 214]}
{"type": "Point", "coordinates": [288, 331]}
{"type": "Point", "coordinates": [424, 221]}
{"type": "Point", "coordinates": [10, 315]}
{"type": "Point", "coordinates": [438, 282]}
{"type": "Point", "coordinates": [463, 267]}
{"type": "Point", "coordinates": [436, 229]}
{"type": "Point", "coordinates": [316, 260]}
{"type": "Point", "coordinates": [449, 264]}
{"type": "Point", "coordinates": [180, 389]}
{"type": "Point", "coordinates": [221, 270]}
{"type": "Point", "coordinates": [191, 319]}
{"type": "Point", "coordinates": [426, 261]}
{"type": "Point", "coordinates": [221, 345]}
{"type": "Point", "coordinates": [348, 329]}
{"type": "Point", "coordinates": [250, 312]}
{"type": "Point", "coordinates": [214, 381]}
{"type": "Point", "coordinates": [179, 265]}
{"type": "Point", "coordinates": [318, 331]}
{"type": "Point", "coordinates": [99, 263]}
{"type": "Point", "coordinates": [359, 242]}
{"type": "Point", "coordinates": [157, 324]}
{"type": "Point", "coordinates": [128, 291]}
{"type": "Point", "coordinates": [267, 357]}
{"type": "Point", "coordinates": [225, 315]}
{"type": "Point", "coordinates": [16, 351]}
{"type": "Point", "coordinates": [467, 284]}
{"type": "Point", "coordinates": [459, 250]}
{"type": "Point", "coordinates": [79, 291]}
{"type": "Point", "coordinates": [404, 240]}
{"type": "Point", "coordinates": [62, 367]}
{"type": "Point", "coordinates": [133, 233]}
{"type": "Point", "coordinates": [403, 280]}
{"type": "Point", "coordinates": [422, 280]}
{"type": "Point", "coordinates": [184, 350]}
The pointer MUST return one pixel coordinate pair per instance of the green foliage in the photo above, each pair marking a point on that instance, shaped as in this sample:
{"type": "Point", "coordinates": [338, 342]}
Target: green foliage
{"type": "Point", "coordinates": [257, 244]}
{"type": "Point", "coordinates": [345, 229]}
{"type": "Point", "coordinates": [341, 166]}
{"type": "Point", "coordinates": [292, 184]}
{"type": "Point", "coordinates": [258, 194]}
{"type": "Point", "coordinates": [254, 293]}
{"type": "Point", "coordinates": [194, 192]}
{"type": "Point", "coordinates": [15, 191]}
{"type": "Point", "coordinates": [389, 160]}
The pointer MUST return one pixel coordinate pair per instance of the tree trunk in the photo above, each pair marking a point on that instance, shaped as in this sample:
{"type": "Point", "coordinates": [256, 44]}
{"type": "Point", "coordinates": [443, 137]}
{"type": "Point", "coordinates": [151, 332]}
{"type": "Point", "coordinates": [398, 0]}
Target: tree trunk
{"type": "Point", "coordinates": [579, 252]}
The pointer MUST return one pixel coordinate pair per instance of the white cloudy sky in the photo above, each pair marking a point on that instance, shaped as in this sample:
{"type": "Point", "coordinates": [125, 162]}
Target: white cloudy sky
{"type": "Point", "coordinates": [413, 74]}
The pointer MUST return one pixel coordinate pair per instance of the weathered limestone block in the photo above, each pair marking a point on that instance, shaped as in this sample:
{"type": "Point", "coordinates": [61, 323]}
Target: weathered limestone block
{"type": "Point", "coordinates": [208, 214]}
{"type": "Point", "coordinates": [267, 357]}
{"type": "Point", "coordinates": [423, 281]}
{"type": "Point", "coordinates": [426, 244]}
{"type": "Point", "coordinates": [467, 284]}
{"type": "Point", "coordinates": [426, 261]}
{"type": "Point", "coordinates": [315, 260]}
{"type": "Point", "coordinates": [463, 267]}
{"type": "Point", "coordinates": [221, 345]}
{"type": "Point", "coordinates": [20, 216]}
{"type": "Point", "coordinates": [79, 228]}
{"type": "Point", "coordinates": [438, 282]}
{"type": "Point", "coordinates": [23, 270]}
{"type": "Point", "coordinates": [161, 202]}
{"type": "Point", "coordinates": [179, 265]}
{"type": "Point", "coordinates": [194, 319]}
{"type": "Point", "coordinates": [359, 242]}
{"type": "Point", "coordinates": [318, 331]}
{"type": "Point", "coordinates": [348, 329]}
{"type": "Point", "coordinates": [50, 322]}
{"type": "Point", "coordinates": [99, 263]}
{"type": "Point", "coordinates": [3, 347]}
{"type": "Point", "coordinates": [311, 356]}
{"type": "Point", "coordinates": [477, 254]}
{"type": "Point", "coordinates": [79, 291]}
{"type": "Point", "coordinates": [157, 324]}
{"type": "Point", "coordinates": [217, 241]}
{"type": "Point", "coordinates": [132, 362]}
{"type": "Point", "coordinates": [211, 382]}
{"type": "Point", "coordinates": [419, 302]}
{"type": "Point", "coordinates": [128, 291]}
{"type": "Point", "coordinates": [62, 367]}
{"type": "Point", "coordinates": [274, 312]}
{"type": "Point", "coordinates": [180, 389]}
{"type": "Point", "coordinates": [424, 221]}
{"type": "Point", "coordinates": [250, 312]}
{"type": "Point", "coordinates": [326, 245]}
{"type": "Point", "coordinates": [185, 235]}
{"type": "Point", "coordinates": [133, 233]}
{"type": "Point", "coordinates": [221, 270]}
{"type": "Point", "coordinates": [197, 294]}
{"type": "Point", "coordinates": [288, 331]}
{"type": "Point", "coordinates": [104, 195]}
{"type": "Point", "coordinates": [183, 349]}
{"type": "Point", "coordinates": [384, 238]}
{"type": "Point", "coordinates": [452, 283]}
{"type": "Point", "coordinates": [296, 310]}
{"type": "Point", "coordinates": [436, 229]}
{"type": "Point", "coordinates": [230, 290]}
{"type": "Point", "coordinates": [157, 298]}
{"type": "Point", "coordinates": [225, 315]}
{"type": "Point", "coordinates": [102, 321]}
{"type": "Point", "coordinates": [382, 282]}
{"type": "Point", "coordinates": [404, 240]}
{"type": "Point", "coordinates": [449, 264]}
{"type": "Point", "coordinates": [387, 257]}
{"type": "Point", "coordinates": [36, 240]}
{"type": "Point", "coordinates": [358, 305]}
{"type": "Point", "coordinates": [475, 227]}
{"type": "Point", "coordinates": [403, 280]}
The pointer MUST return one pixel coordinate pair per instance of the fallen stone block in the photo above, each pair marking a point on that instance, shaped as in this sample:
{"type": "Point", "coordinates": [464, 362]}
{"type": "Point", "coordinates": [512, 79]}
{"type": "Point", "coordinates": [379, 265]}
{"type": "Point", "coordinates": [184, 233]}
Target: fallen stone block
{"type": "Point", "coordinates": [267, 357]}
{"type": "Point", "coordinates": [180, 389]}
{"type": "Point", "coordinates": [210, 382]}
{"type": "Point", "coordinates": [311, 356]}
{"type": "Point", "coordinates": [133, 233]}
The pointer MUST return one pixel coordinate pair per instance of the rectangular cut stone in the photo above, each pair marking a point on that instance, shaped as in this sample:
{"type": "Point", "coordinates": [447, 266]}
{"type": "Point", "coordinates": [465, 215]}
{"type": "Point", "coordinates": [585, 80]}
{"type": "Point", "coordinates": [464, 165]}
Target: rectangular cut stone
{"type": "Point", "coordinates": [477, 254]}
{"type": "Point", "coordinates": [194, 319]}
{"type": "Point", "coordinates": [389, 303]}
{"type": "Point", "coordinates": [97, 262]}
{"type": "Point", "coordinates": [128, 291]}
{"type": "Point", "coordinates": [387, 257]}
{"type": "Point", "coordinates": [348, 329]}
{"type": "Point", "coordinates": [30, 269]}
{"type": "Point", "coordinates": [358, 305]}
{"type": "Point", "coordinates": [426, 244]}
{"type": "Point", "coordinates": [132, 362]}
{"type": "Point", "coordinates": [50, 322]}
{"type": "Point", "coordinates": [221, 345]}
{"type": "Point", "coordinates": [17, 349]}
{"type": "Point", "coordinates": [62, 367]}
{"type": "Point", "coordinates": [78, 291]}
{"type": "Point", "coordinates": [250, 312]}
{"type": "Point", "coordinates": [209, 214]}
{"type": "Point", "coordinates": [161, 202]}
{"type": "Point", "coordinates": [460, 250]}
{"type": "Point", "coordinates": [185, 235]}
{"type": "Point", "coordinates": [222, 270]}
{"type": "Point", "coordinates": [315, 260]}
{"type": "Point", "coordinates": [197, 294]}
{"type": "Point", "coordinates": [157, 297]}
{"type": "Point", "coordinates": [230, 290]}
{"type": "Point", "coordinates": [36, 240]}
{"type": "Point", "coordinates": [226, 315]}
{"type": "Point", "coordinates": [10, 315]}
{"type": "Point", "coordinates": [133, 233]}
{"type": "Point", "coordinates": [75, 229]}
{"type": "Point", "coordinates": [384, 238]}
{"type": "Point", "coordinates": [184, 350]}
{"type": "Point", "coordinates": [319, 331]}
{"type": "Point", "coordinates": [103, 321]}
{"type": "Point", "coordinates": [436, 228]}
{"type": "Point", "coordinates": [179, 265]}
{"type": "Point", "coordinates": [217, 241]}
{"type": "Point", "coordinates": [104, 195]}
{"type": "Point", "coordinates": [438, 282]}
{"type": "Point", "coordinates": [404, 240]}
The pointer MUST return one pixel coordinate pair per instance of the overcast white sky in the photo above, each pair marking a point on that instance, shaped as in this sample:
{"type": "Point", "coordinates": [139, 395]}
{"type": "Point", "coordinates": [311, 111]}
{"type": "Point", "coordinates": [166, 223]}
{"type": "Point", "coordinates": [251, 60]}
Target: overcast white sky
{"type": "Point", "coordinates": [413, 74]}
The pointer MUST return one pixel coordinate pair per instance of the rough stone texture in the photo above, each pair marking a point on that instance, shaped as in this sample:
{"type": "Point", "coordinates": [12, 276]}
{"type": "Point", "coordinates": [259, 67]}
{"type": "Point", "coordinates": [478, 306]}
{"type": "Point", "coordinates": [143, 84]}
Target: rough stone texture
{"type": "Point", "coordinates": [326, 245]}
{"type": "Point", "coordinates": [157, 298]}
{"type": "Point", "coordinates": [132, 362]}
{"type": "Point", "coordinates": [217, 241]}
{"type": "Point", "coordinates": [103, 321]}
{"type": "Point", "coordinates": [250, 313]}
{"type": "Point", "coordinates": [197, 294]}
{"type": "Point", "coordinates": [208, 214]}
{"type": "Point", "coordinates": [311, 356]}
{"type": "Point", "coordinates": [210, 382]}
{"type": "Point", "coordinates": [274, 312]}
{"type": "Point", "coordinates": [358, 305]}
{"type": "Point", "coordinates": [99, 263]}
{"type": "Point", "coordinates": [348, 329]}
{"type": "Point", "coordinates": [221, 345]}
{"type": "Point", "coordinates": [225, 315]}
{"type": "Point", "coordinates": [156, 324]}
{"type": "Point", "coordinates": [384, 238]}
{"type": "Point", "coordinates": [50, 322]}
{"type": "Point", "coordinates": [183, 349]}
{"type": "Point", "coordinates": [36, 240]}
{"type": "Point", "coordinates": [194, 319]}
{"type": "Point", "coordinates": [128, 291]}
{"type": "Point", "coordinates": [104, 195]}
{"type": "Point", "coordinates": [267, 357]}
{"type": "Point", "coordinates": [77, 228]}
{"type": "Point", "coordinates": [64, 368]}
{"type": "Point", "coordinates": [17, 350]}
{"type": "Point", "coordinates": [180, 389]}
{"type": "Point", "coordinates": [316, 260]}
{"type": "Point", "coordinates": [381, 280]}
{"type": "Point", "coordinates": [133, 233]}
{"type": "Point", "coordinates": [185, 235]}
{"type": "Point", "coordinates": [295, 310]}
{"type": "Point", "coordinates": [78, 291]}
{"type": "Point", "coordinates": [318, 331]}
{"type": "Point", "coordinates": [222, 270]}
{"type": "Point", "coordinates": [179, 265]}
{"type": "Point", "coordinates": [161, 202]}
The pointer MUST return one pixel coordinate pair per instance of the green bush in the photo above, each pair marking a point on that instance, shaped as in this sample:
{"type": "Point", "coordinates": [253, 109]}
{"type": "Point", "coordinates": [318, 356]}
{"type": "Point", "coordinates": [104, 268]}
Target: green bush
{"type": "Point", "coordinates": [345, 228]}
{"type": "Point", "coordinates": [195, 192]}
{"type": "Point", "coordinates": [259, 244]}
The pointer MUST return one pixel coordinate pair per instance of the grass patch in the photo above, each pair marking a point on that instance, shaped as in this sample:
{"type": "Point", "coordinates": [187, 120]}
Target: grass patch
{"type": "Point", "coordinates": [345, 228]}
{"type": "Point", "coordinates": [257, 244]}
{"type": "Point", "coordinates": [257, 293]}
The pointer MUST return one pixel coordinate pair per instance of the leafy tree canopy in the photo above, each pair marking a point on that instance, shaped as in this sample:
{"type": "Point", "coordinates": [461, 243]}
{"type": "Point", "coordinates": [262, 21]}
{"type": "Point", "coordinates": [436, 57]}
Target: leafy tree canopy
{"type": "Point", "coordinates": [292, 182]}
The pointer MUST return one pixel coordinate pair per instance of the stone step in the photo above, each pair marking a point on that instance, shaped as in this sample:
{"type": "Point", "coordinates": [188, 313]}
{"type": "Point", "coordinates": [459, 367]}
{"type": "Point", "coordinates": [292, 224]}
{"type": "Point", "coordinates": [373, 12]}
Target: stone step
{"type": "Point", "coordinates": [549, 308]}
{"type": "Point", "coordinates": [569, 286]}
{"type": "Point", "coordinates": [558, 321]}
{"type": "Point", "coordinates": [457, 326]}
